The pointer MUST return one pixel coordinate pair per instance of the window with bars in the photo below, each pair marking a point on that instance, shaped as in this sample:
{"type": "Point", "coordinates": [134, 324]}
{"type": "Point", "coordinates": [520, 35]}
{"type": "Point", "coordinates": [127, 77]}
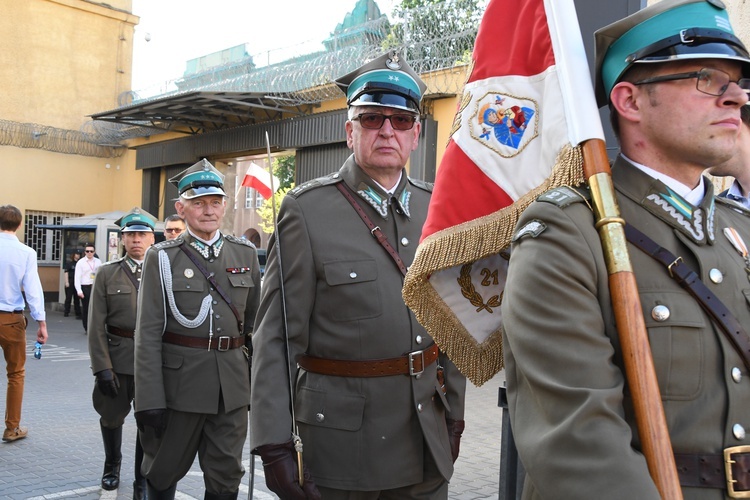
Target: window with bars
{"type": "Point", "coordinates": [46, 242]}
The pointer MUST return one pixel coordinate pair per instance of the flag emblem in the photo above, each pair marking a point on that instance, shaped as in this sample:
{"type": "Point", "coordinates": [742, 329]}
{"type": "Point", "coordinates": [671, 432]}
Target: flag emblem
{"type": "Point", "coordinates": [504, 123]}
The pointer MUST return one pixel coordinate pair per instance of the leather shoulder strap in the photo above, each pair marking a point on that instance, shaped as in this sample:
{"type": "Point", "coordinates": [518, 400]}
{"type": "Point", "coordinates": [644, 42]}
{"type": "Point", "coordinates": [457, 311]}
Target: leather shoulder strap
{"type": "Point", "coordinates": [690, 281]}
{"type": "Point", "coordinates": [129, 274]}
{"type": "Point", "coordinates": [374, 230]}
{"type": "Point", "coordinates": [210, 277]}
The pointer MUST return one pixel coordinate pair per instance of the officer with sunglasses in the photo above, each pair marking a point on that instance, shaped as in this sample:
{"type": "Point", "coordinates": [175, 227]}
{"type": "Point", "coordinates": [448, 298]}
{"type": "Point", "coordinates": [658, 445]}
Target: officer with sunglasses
{"type": "Point", "coordinates": [379, 409]}
{"type": "Point", "coordinates": [675, 77]}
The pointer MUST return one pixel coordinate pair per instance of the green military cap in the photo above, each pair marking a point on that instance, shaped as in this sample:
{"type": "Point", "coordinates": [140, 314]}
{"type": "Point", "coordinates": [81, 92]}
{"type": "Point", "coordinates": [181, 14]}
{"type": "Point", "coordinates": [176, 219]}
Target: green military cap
{"type": "Point", "coordinates": [387, 81]}
{"type": "Point", "coordinates": [137, 220]}
{"type": "Point", "coordinates": [201, 179]}
{"type": "Point", "coordinates": [669, 30]}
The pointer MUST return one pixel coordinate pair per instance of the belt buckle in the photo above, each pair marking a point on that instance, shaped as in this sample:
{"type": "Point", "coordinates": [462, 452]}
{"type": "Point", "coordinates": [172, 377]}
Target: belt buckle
{"type": "Point", "coordinates": [412, 357]}
{"type": "Point", "coordinates": [728, 452]}
{"type": "Point", "coordinates": [220, 340]}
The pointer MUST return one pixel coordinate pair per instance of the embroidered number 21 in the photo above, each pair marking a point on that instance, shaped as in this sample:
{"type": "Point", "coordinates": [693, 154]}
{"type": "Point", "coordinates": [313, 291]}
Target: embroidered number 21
{"type": "Point", "coordinates": [490, 277]}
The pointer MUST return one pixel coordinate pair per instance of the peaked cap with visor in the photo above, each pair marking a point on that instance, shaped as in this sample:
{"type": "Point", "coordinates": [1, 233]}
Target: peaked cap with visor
{"type": "Point", "coordinates": [387, 81]}
{"type": "Point", "coordinates": [201, 179]}
{"type": "Point", "coordinates": [137, 220]}
{"type": "Point", "coordinates": [670, 30]}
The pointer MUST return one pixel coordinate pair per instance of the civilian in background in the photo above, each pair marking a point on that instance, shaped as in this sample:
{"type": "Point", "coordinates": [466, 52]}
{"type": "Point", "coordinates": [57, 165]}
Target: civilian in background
{"type": "Point", "coordinates": [18, 270]}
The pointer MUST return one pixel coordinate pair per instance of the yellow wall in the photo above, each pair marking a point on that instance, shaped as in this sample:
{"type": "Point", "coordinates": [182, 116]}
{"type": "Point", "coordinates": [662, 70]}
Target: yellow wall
{"type": "Point", "coordinates": [63, 59]}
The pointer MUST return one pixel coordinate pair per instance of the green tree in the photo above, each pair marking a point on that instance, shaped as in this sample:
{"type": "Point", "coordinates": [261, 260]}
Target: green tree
{"type": "Point", "coordinates": [438, 33]}
{"type": "Point", "coordinates": [266, 211]}
{"type": "Point", "coordinates": [283, 168]}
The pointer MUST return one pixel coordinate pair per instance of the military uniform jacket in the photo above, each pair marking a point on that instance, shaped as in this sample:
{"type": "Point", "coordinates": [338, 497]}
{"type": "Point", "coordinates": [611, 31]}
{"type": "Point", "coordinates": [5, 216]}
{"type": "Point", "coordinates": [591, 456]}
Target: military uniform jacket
{"type": "Point", "coordinates": [343, 296]}
{"type": "Point", "coordinates": [113, 303]}
{"type": "Point", "coordinates": [191, 379]}
{"type": "Point", "coordinates": [570, 408]}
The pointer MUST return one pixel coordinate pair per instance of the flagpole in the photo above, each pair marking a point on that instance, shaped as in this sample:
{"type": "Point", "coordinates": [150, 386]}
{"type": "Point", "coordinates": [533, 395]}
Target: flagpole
{"type": "Point", "coordinates": [631, 327]}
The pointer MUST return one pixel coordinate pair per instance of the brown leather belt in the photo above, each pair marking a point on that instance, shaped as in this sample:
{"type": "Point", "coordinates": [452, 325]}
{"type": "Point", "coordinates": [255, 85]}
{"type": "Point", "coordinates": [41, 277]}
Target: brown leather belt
{"type": "Point", "coordinates": [128, 334]}
{"type": "Point", "coordinates": [218, 343]}
{"type": "Point", "coordinates": [413, 363]}
{"type": "Point", "coordinates": [12, 312]}
{"type": "Point", "coordinates": [728, 471]}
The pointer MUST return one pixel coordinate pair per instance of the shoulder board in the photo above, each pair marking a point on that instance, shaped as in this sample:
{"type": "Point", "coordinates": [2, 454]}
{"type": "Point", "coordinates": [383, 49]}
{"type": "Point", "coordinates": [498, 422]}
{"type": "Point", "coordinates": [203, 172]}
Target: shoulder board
{"type": "Point", "coordinates": [426, 186]}
{"type": "Point", "coordinates": [315, 183]}
{"type": "Point", "coordinates": [733, 205]}
{"type": "Point", "coordinates": [167, 244]}
{"type": "Point", "coordinates": [565, 195]}
{"type": "Point", "coordinates": [116, 261]}
{"type": "Point", "coordinates": [239, 241]}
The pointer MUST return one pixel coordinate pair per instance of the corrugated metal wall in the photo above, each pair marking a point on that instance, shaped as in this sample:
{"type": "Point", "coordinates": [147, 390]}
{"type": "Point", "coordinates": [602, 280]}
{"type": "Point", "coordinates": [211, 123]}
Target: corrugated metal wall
{"type": "Point", "coordinates": [319, 161]}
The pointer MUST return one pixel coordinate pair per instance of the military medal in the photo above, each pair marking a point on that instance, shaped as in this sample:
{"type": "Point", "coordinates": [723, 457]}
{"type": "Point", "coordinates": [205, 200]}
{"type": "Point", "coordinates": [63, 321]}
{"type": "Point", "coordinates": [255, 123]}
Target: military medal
{"type": "Point", "coordinates": [738, 243]}
{"type": "Point", "coordinates": [238, 270]}
{"type": "Point", "coordinates": [188, 273]}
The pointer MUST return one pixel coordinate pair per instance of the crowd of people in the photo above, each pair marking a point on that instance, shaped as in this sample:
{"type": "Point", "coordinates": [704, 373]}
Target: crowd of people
{"type": "Point", "coordinates": [349, 396]}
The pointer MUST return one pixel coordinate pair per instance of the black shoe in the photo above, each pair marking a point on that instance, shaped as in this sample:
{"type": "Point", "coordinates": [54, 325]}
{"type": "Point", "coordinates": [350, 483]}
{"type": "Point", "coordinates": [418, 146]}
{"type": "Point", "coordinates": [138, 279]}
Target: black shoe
{"type": "Point", "coordinates": [113, 458]}
{"type": "Point", "coordinates": [139, 489]}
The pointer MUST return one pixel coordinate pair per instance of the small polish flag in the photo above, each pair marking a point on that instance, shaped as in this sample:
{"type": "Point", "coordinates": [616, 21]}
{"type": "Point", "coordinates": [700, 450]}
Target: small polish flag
{"type": "Point", "coordinates": [259, 179]}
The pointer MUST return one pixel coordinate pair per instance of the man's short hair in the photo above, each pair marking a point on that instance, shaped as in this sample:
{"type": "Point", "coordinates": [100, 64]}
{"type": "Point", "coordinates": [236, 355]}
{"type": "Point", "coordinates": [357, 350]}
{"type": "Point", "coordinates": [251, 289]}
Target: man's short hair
{"type": "Point", "coordinates": [174, 217]}
{"type": "Point", "coordinates": [10, 218]}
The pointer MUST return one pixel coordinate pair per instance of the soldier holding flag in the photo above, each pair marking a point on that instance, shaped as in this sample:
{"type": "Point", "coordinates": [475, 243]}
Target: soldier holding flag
{"type": "Point", "coordinates": [675, 77]}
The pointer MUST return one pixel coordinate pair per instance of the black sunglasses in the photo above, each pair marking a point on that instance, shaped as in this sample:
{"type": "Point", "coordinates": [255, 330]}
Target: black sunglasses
{"type": "Point", "coordinates": [375, 121]}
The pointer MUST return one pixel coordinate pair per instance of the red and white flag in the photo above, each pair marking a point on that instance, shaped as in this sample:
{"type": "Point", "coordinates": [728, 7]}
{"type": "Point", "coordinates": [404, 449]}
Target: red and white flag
{"type": "Point", "coordinates": [259, 179]}
{"type": "Point", "coordinates": [527, 104]}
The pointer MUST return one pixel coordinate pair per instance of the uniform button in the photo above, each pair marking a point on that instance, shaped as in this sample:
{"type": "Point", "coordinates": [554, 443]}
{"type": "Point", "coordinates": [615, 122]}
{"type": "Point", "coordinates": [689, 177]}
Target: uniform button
{"type": "Point", "coordinates": [736, 374]}
{"type": "Point", "coordinates": [405, 241]}
{"type": "Point", "coordinates": [335, 176]}
{"type": "Point", "coordinates": [218, 330]}
{"type": "Point", "coordinates": [118, 290]}
{"type": "Point", "coordinates": [187, 286]}
{"type": "Point", "coordinates": [738, 431]}
{"type": "Point", "coordinates": [352, 275]}
{"type": "Point", "coordinates": [418, 339]}
{"type": "Point", "coordinates": [716, 276]}
{"type": "Point", "coordinates": [320, 417]}
{"type": "Point", "coordinates": [419, 407]}
{"type": "Point", "coordinates": [210, 260]}
{"type": "Point", "coordinates": [418, 376]}
{"type": "Point", "coordinates": [218, 316]}
{"type": "Point", "coordinates": [216, 302]}
{"type": "Point", "coordinates": [660, 313]}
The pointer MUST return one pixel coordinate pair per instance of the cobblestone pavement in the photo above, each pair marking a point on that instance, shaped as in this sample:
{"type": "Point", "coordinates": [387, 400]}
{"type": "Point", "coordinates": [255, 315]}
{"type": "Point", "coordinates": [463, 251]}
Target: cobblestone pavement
{"type": "Point", "coordinates": [63, 457]}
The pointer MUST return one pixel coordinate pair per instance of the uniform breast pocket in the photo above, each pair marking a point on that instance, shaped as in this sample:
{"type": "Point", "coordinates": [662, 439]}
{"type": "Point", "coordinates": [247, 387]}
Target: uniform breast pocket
{"type": "Point", "coordinates": [678, 335]}
{"type": "Point", "coordinates": [241, 285]}
{"type": "Point", "coordinates": [114, 290]}
{"type": "Point", "coordinates": [352, 288]}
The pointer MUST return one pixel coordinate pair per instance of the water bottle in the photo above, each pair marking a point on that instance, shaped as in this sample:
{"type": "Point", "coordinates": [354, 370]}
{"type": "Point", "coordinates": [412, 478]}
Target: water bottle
{"type": "Point", "coordinates": [38, 350]}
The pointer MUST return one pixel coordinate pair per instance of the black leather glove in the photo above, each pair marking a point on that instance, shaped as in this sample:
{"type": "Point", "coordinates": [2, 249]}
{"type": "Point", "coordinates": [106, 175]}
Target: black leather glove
{"type": "Point", "coordinates": [106, 381]}
{"type": "Point", "coordinates": [157, 419]}
{"type": "Point", "coordinates": [280, 467]}
{"type": "Point", "coordinates": [455, 429]}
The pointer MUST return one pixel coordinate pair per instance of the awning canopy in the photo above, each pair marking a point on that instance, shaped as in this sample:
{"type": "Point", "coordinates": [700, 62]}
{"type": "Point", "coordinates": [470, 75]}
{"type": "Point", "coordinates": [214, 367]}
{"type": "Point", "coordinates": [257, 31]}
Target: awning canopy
{"type": "Point", "coordinates": [198, 112]}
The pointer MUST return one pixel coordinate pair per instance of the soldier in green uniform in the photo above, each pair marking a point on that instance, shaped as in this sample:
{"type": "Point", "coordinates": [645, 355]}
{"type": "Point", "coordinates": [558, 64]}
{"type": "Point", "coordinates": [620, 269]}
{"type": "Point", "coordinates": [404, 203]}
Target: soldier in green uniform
{"type": "Point", "coordinates": [195, 316]}
{"type": "Point", "coordinates": [376, 417]}
{"type": "Point", "coordinates": [111, 323]}
{"type": "Point", "coordinates": [672, 75]}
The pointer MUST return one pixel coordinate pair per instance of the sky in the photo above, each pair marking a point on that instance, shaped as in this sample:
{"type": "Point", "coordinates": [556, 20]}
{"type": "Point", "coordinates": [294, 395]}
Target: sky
{"type": "Point", "coordinates": [170, 32]}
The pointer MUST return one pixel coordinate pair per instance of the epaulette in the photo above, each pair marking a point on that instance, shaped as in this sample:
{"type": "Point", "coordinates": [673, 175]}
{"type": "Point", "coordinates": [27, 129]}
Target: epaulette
{"type": "Point", "coordinates": [734, 205]}
{"type": "Point", "coordinates": [315, 183]}
{"type": "Point", "coordinates": [423, 185]}
{"type": "Point", "coordinates": [565, 195]}
{"type": "Point", "coordinates": [115, 261]}
{"type": "Point", "coordinates": [168, 243]}
{"type": "Point", "coordinates": [239, 241]}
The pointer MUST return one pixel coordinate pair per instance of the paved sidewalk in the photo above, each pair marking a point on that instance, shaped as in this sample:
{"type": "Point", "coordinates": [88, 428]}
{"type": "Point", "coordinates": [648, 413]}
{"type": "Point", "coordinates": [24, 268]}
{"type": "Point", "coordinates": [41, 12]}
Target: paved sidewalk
{"type": "Point", "coordinates": [63, 455]}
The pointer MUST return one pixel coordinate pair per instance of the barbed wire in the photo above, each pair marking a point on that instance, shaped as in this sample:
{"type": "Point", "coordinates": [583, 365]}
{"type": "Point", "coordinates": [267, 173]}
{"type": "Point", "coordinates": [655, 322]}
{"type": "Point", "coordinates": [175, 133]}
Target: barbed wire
{"type": "Point", "coordinates": [73, 142]}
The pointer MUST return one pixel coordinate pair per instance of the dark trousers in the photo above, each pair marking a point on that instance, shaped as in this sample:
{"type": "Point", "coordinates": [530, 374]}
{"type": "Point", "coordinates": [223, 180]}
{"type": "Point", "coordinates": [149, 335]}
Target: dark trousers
{"type": "Point", "coordinates": [72, 295]}
{"type": "Point", "coordinates": [86, 289]}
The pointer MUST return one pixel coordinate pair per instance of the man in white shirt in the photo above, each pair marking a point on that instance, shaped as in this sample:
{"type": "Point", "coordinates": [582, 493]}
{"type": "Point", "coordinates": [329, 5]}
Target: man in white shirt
{"type": "Point", "coordinates": [18, 270]}
{"type": "Point", "coordinates": [85, 273]}
{"type": "Point", "coordinates": [739, 165]}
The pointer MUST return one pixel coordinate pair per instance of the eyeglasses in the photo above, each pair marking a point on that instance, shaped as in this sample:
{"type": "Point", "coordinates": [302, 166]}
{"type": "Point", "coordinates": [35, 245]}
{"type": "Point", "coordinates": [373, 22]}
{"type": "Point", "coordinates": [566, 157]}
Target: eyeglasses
{"type": "Point", "coordinates": [171, 230]}
{"type": "Point", "coordinates": [709, 81]}
{"type": "Point", "coordinates": [89, 251]}
{"type": "Point", "coordinates": [374, 121]}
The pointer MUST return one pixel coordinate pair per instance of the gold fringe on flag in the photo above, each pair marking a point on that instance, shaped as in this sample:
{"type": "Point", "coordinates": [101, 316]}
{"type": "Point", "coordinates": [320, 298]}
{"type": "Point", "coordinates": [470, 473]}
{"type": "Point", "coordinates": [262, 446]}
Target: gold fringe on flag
{"type": "Point", "coordinates": [464, 244]}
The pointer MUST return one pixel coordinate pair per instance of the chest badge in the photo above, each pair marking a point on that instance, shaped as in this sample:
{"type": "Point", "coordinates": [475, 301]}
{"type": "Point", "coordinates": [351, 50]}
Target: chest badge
{"type": "Point", "coordinates": [188, 273]}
